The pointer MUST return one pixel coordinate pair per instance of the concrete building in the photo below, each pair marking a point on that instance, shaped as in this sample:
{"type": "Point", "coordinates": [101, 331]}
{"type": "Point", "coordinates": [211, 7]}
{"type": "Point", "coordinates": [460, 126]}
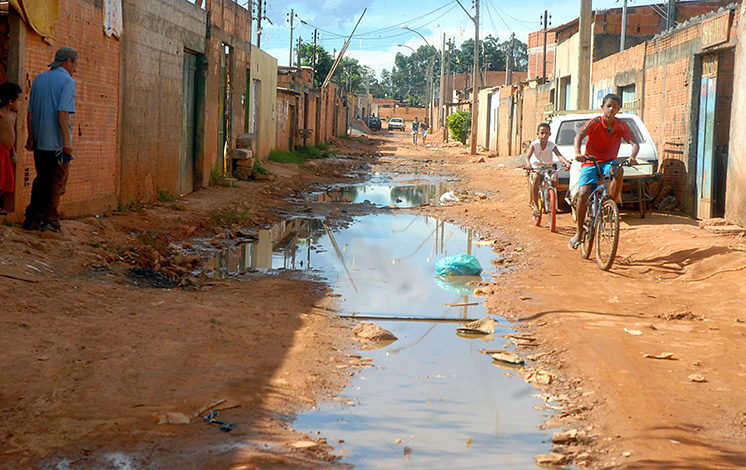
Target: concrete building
{"type": "Point", "coordinates": [735, 202]}
{"type": "Point", "coordinates": [300, 108]}
{"type": "Point", "coordinates": [160, 102]}
{"type": "Point", "coordinates": [680, 82]}
{"type": "Point", "coordinates": [563, 41]}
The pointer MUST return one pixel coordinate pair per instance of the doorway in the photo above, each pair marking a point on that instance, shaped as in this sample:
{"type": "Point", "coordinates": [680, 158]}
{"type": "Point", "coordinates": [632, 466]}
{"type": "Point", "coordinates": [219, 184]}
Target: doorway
{"type": "Point", "coordinates": [187, 151]}
{"type": "Point", "coordinates": [226, 107]}
{"type": "Point", "coordinates": [713, 128]}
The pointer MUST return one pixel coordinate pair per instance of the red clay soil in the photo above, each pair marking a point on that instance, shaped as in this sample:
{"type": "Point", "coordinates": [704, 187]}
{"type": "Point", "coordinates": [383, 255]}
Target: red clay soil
{"type": "Point", "coordinates": [90, 361]}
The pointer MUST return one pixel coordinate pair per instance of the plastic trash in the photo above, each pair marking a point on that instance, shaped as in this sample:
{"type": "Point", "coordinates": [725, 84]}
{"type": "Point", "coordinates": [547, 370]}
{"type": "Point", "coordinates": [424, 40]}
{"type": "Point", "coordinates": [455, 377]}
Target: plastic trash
{"type": "Point", "coordinates": [449, 197]}
{"type": "Point", "coordinates": [456, 284]}
{"type": "Point", "coordinates": [460, 265]}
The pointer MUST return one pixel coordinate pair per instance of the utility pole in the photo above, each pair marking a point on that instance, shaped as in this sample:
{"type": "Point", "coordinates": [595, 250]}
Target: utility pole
{"type": "Point", "coordinates": [300, 44]}
{"type": "Point", "coordinates": [475, 85]}
{"type": "Point", "coordinates": [448, 94]}
{"type": "Point", "coordinates": [671, 14]}
{"type": "Point", "coordinates": [509, 74]}
{"type": "Point", "coordinates": [624, 27]}
{"type": "Point", "coordinates": [547, 22]}
{"type": "Point", "coordinates": [581, 77]}
{"type": "Point", "coordinates": [261, 14]}
{"type": "Point", "coordinates": [313, 60]}
{"type": "Point", "coordinates": [441, 100]}
{"type": "Point", "coordinates": [290, 60]}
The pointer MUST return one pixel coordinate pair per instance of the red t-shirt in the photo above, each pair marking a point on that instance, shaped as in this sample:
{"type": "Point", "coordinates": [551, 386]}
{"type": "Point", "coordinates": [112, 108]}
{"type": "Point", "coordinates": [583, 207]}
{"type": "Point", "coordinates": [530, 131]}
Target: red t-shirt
{"type": "Point", "coordinates": [602, 143]}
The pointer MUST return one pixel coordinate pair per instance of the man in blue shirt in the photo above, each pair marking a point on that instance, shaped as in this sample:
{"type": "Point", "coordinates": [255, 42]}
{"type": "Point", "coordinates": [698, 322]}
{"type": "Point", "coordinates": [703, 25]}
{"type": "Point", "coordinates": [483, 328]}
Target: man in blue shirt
{"type": "Point", "coordinates": [49, 125]}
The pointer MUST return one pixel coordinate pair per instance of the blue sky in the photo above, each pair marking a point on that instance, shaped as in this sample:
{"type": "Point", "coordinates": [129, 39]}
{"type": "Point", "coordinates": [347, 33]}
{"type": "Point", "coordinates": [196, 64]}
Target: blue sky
{"type": "Point", "coordinates": [377, 38]}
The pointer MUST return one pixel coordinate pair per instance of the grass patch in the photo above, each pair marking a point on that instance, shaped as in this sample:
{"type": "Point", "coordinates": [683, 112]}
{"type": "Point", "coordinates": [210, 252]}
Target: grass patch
{"type": "Point", "coordinates": [132, 206]}
{"type": "Point", "coordinates": [165, 196]}
{"type": "Point", "coordinates": [94, 244]}
{"type": "Point", "coordinates": [258, 169]}
{"type": "Point", "coordinates": [359, 140]}
{"type": "Point", "coordinates": [283, 156]}
{"type": "Point", "coordinates": [8, 223]}
{"type": "Point", "coordinates": [302, 154]}
{"type": "Point", "coordinates": [215, 175]}
{"type": "Point", "coordinates": [230, 216]}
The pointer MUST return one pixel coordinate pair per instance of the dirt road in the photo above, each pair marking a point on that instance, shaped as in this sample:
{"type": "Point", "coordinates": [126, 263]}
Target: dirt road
{"type": "Point", "coordinates": [90, 361]}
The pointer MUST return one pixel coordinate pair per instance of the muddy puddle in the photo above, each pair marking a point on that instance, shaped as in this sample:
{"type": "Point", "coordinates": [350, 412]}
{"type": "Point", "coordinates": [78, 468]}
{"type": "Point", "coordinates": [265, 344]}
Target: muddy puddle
{"type": "Point", "coordinates": [383, 192]}
{"type": "Point", "coordinates": [432, 400]}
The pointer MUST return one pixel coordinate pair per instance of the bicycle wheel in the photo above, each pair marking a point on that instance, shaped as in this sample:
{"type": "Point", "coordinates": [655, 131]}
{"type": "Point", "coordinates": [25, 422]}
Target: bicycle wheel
{"type": "Point", "coordinates": [607, 236]}
{"type": "Point", "coordinates": [587, 244]}
{"type": "Point", "coordinates": [552, 209]}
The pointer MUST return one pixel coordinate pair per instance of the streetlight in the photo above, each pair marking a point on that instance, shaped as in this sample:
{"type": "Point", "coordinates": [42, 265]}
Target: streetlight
{"type": "Point", "coordinates": [429, 73]}
{"type": "Point", "coordinates": [416, 32]}
{"type": "Point", "coordinates": [404, 45]}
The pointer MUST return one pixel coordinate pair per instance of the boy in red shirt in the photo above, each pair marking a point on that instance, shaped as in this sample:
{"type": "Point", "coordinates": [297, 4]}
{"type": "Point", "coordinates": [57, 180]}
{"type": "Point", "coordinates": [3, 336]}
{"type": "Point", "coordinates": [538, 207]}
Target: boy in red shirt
{"type": "Point", "coordinates": [605, 134]}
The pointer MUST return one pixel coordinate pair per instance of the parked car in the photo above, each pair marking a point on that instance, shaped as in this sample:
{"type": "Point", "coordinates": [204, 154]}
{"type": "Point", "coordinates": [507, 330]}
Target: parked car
{"type": "Point", "coordinates": [564, 128]}
{"type": "Point", "coordinates": [396, 123]}
{"type": "Point", "coordinates": [373, 122]}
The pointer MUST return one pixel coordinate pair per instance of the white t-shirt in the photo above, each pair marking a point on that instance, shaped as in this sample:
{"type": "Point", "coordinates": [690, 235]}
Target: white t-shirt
{"type": "Point", "coordinates": [542, 157]}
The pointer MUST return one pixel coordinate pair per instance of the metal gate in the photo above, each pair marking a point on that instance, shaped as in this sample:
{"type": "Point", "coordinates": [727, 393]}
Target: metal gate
{"type": "Point", "coordinates": [188, 121]}
{"type": "Point", "coordinates": [705, 136]}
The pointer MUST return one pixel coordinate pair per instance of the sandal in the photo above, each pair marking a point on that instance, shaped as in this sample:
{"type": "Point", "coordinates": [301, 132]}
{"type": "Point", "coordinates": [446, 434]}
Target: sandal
{"type": "Point", "coordinates": [573, 244]}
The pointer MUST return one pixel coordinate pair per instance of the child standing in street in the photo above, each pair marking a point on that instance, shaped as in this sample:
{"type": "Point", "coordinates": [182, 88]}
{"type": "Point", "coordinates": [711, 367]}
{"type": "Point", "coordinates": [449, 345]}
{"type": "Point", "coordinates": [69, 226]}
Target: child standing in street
{"type": "Point", "coordinates": [424, 128]}
{"type": "Point", "coordinates": [9, 93]}
{"type": "Point", "coordinates": [540, 155]}
{"type": "Point", "coordinates": [415, 130]}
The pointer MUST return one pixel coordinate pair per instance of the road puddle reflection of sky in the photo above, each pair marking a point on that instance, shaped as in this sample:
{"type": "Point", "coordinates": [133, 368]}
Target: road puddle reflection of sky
{"type": "Point", "coordinates": [432, 401]}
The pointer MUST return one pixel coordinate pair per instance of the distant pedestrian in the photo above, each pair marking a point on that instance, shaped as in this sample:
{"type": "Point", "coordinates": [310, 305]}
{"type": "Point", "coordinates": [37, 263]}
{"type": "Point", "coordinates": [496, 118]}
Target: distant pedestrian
{"type": "Point", "coordinates": [51, 102]}
{"type": "Point", "coordinates": [424, 127]}
{"type": "Point", "coordinates": [415, 130]}
{"type": "Point", "coordinates": [9, 93]}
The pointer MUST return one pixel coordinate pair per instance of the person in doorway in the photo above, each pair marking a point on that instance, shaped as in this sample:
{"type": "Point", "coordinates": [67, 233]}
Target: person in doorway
{"type": "Point", "coordinates": [9, 93]}
{"type": "Point", "coordinates": [51, 103]}
{"type": "Point", "coordinates": [415, 130]}
{"type": "Point", "coordinates": [605, 134]}
{"type": "Point", "coordinates": [540, 155]}
{"type": "Point", "coordinates": [424, 127]}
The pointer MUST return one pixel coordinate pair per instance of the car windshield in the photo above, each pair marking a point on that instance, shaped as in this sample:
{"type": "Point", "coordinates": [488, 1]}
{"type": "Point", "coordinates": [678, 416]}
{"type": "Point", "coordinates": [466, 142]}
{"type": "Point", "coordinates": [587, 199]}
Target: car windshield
{"type": "Point", "coordinates": [568, 129]}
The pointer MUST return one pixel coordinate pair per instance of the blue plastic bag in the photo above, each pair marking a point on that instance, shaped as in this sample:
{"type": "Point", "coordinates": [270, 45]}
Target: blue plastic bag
{"type": "Point", "coordinates": [460, 265]}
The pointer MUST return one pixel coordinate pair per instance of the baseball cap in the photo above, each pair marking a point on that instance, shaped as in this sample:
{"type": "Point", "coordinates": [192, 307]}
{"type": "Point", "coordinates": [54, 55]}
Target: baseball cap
{"type": "Point", "coordinates": [62, 55]}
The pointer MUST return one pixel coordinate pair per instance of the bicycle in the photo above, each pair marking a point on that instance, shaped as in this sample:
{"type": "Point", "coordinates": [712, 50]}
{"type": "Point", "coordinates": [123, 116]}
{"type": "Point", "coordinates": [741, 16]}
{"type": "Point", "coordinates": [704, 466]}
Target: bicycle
{"type": "Point", "coordinates": [547, 196]}
{"type": "Point", "coordinates": [602, 220]}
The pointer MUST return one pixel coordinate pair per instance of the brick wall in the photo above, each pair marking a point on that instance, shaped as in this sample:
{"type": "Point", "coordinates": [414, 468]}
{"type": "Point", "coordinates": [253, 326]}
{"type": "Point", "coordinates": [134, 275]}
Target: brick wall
{"type": "Point", "coordinates": [92, 185]}
{"type": "Point", "coordinates": [536, 54]}
{"type": "Point", "coordinates": [405, 112]}
{"type": "Point", "coordinates": [229, 25]}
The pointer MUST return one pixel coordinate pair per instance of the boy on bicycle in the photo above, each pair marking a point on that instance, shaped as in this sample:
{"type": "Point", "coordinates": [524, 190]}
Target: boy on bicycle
{"type": "Point", "coordinates": [540, 155]}
{"type": "Point", "coordinates": [605, 134]}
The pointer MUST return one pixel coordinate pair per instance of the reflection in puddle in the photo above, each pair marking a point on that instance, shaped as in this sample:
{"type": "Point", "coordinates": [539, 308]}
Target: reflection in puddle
{"type": "Point", "coordinates": [383, 195]}
{"type": "Point", "coordinates": [432, 392]}
{"type": "Point", "coordinates": [287, 245]}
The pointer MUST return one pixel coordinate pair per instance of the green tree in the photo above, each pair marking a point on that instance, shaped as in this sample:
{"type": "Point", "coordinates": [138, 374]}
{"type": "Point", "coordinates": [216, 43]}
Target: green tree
{"type": "Point", "coordinates": [323, 61]}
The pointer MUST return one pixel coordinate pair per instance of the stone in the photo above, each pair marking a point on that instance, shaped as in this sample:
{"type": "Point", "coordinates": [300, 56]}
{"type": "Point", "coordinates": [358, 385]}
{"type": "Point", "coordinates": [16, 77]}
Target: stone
{"type": "Point", "coordinates": [370, 332]}
{"type": "Point", "coordinates": [242, 154]}
{"type": "Point", "coordinates": [245, 141]}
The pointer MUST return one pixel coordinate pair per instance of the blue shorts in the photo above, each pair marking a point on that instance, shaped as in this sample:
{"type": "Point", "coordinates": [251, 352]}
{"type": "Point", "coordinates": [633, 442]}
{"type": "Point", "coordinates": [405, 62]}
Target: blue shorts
{"type": "Point", "coordinates": [588, 174]}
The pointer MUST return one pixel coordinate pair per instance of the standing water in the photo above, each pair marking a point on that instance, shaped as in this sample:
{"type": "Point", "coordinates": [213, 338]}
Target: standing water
{"type": "Point", "coordinates": [432, 400]}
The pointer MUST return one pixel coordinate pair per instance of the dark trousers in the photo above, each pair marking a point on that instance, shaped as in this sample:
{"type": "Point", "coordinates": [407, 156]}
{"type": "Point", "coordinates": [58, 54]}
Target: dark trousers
{"type": "Point", "coordinates": [47, 189]}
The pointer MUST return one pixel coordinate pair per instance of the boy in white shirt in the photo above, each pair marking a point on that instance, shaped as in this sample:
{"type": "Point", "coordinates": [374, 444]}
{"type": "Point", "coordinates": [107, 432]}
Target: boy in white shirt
{"type": "Point", "coordinates": [539, 155]}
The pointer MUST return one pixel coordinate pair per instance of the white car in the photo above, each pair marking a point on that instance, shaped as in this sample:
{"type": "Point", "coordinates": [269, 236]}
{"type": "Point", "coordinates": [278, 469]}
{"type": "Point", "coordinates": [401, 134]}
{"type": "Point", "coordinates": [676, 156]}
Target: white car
{"type": "Point", "coordinates": [396, 123]}
{"type": "Point", "coordinates": [564, 128]}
